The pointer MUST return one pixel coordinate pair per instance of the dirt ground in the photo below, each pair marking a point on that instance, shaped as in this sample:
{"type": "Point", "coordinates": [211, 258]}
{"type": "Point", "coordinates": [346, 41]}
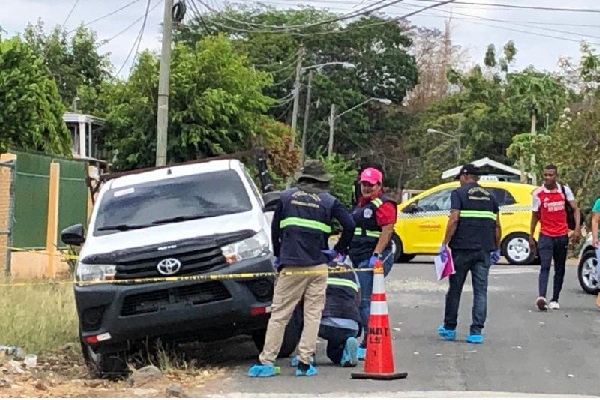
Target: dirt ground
{"type": "Point", "coordinates": [63, 374]}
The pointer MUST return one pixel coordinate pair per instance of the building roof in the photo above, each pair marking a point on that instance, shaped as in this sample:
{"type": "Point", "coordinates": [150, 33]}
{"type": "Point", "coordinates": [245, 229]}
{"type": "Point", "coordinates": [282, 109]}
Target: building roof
{"type": "Point", "coordinates": [484, 162]}
{"type": "Point", "coordinates": [71, 117]}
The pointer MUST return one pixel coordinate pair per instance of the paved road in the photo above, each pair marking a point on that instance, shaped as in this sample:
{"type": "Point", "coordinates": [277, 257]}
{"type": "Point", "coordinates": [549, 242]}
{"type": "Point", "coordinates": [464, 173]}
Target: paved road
{"type": "Point", "coordinates": [526, 351]}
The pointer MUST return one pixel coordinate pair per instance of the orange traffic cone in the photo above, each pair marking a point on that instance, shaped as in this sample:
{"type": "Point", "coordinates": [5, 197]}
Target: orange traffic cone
{"type": "Point", "coordinates": [379, 359]}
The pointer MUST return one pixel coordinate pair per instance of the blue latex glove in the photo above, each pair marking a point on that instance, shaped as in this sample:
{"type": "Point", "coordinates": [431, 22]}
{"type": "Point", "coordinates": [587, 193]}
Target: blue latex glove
{"type": "Point", "coordinates": [495, 256]}
{"type": "Point", "coordinates": [276, 262]}
{"type": "Point", "coordinates": [442, 253]}
{"type": "Point", "coordinates": [373, 260]}
{"type": "Point", "coordinates": [339, 259]}
{"type": "Point", "coordinates": [331, 254]}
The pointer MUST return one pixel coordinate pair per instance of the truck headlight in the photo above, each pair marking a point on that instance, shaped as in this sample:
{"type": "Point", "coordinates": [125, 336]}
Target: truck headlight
{"type": "Point", "coordinates": [90, 272]}
{"type": "Point", "coordinates": [256, 246]}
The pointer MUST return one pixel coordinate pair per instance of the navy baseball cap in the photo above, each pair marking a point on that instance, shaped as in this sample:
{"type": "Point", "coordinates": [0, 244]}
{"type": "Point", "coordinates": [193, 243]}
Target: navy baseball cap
{"type": "Point", "coordinates": [467, 169]}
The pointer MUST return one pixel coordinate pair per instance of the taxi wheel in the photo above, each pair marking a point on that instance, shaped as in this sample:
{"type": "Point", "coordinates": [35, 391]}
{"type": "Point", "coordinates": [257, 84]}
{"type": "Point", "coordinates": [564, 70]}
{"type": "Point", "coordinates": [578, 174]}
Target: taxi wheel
{"type": "Point", "coordinates": [515, 248]}
{"type": "Point", "coordinates": [399, 256]}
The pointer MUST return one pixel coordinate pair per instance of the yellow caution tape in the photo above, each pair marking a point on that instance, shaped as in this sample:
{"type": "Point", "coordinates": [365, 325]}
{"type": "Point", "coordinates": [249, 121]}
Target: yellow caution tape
{"type": "Point", "coordinates": [207, 277]}
{"type": "Point", "coordinates": [59, 252]}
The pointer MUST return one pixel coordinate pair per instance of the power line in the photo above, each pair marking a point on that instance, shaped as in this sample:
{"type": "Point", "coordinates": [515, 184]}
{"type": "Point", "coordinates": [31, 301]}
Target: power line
{"type": "Point", "coordinates": [70, 12]}
{"type": "Point", "coordinates": [128, 27]}
{"type": "Point", "coordinates": [524, 24]}
{"type": "Point", "coordinates": [283, 28]}
{"type": "Point", "coordinates": [106, 15]}
{"type": "Point", "coordinates": [138, 41]}
{"type": "Point", "coordinates": [522, 7]}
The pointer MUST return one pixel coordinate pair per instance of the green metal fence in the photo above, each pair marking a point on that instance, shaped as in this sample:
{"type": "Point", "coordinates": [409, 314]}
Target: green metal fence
{"type": "Point", "coordinates": [31, 197]}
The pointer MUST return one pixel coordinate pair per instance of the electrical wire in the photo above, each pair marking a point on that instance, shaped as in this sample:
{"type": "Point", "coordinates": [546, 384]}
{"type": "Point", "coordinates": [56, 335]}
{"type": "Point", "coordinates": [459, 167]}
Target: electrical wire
{"type": "Point", "coordinates": [138, 41]}
{"type": "Point", "coordinates": [523, 7]}
{"type": "Point", "coordinates": [339, 19]}
{"type": "Point", "coordinates": [70, 13]}
{"type": "Point", "coordinates": [128, 27]}
{"type": "Point", "coordinates": [477, 17]}
{"type": "Point", "coordinates": [106, 15]}
{"type": "Point", "coordinates": [285, 28]}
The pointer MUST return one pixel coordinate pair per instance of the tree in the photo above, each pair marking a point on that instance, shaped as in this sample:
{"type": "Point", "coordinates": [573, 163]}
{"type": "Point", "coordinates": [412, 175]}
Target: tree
{"type": "Point", "coordinates": [376, 46]}
{"type": "Point", "coordinates": [486, 116]}
{"type": "Point", "coordinates": [31, 113]}
{"type": "Point", "coordinates": [216, 105]}
{"type": "Point", "coordinates": [74, 62]}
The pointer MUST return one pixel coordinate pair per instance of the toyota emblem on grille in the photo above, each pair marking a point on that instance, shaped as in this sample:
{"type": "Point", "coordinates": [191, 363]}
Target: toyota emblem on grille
{"type": "Point", "coordinates": [168, 266]}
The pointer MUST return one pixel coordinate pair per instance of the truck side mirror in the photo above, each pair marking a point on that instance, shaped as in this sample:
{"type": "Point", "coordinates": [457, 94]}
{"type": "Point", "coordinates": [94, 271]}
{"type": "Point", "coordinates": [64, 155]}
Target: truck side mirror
{"type": "Point", "coordinates": [73, 235]}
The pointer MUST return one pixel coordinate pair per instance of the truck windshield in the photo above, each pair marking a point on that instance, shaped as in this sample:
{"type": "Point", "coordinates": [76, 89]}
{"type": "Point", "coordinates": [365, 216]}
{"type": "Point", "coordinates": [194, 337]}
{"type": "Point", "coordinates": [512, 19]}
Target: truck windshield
{"type": "Point", "coordinates": [171, 200]}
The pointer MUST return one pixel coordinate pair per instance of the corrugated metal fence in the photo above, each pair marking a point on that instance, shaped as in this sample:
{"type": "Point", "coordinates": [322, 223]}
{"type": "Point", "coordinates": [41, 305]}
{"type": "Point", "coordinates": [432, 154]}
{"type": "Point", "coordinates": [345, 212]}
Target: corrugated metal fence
{"type": "Point", "coordinates": [31, 197]}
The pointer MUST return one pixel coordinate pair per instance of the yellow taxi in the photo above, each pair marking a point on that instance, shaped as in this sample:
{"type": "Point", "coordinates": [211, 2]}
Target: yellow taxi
{"type": "Point", "coordinates": [422, 221]}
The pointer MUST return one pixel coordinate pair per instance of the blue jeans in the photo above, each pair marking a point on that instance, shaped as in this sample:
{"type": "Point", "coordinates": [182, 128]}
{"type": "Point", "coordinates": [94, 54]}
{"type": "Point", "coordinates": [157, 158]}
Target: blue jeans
{"type": "Point", "coordinates": [366, 287]}
{"type": "Point", "coordinates": [336, 340]}
{"type": "Point", "coordinates": [478, 262]}
{"type": "Point", "coordinates": [551, 248]}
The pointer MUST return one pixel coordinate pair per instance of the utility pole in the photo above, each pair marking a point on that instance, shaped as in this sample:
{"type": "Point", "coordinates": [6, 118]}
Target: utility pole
{"type": "Point", "coordinates": [331, 130]}
{"type": "Point", "coordinates": [533, 112]}
{"type": "Point", "coordinates": [297, 93]}
{"type": "Point", "coordinates": [306, 113]}
{"type": "Point", "coordinates": [162, 114]}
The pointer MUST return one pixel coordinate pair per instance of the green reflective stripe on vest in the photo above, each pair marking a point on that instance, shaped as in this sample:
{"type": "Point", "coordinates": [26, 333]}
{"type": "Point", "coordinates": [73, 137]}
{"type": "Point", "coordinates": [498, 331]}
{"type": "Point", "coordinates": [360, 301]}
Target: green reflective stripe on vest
{"type": "Point", "coordinates": [359, 232]}
{"type": "Point", "coordinates": [342, 282]}
{"type": "Point", "coordinates": [377, 202]}
{"type": "Point", "coordinates": [477, 214]}
{"type": "Point", "coordinates": [305, 223]}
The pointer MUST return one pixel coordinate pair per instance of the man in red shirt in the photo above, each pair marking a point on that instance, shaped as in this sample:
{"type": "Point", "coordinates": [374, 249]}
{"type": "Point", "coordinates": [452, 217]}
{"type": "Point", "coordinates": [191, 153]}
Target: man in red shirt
{"type": "Point", "coordinates": [374, 215]}
{"type": "Point", "coordinates": [549, 209]}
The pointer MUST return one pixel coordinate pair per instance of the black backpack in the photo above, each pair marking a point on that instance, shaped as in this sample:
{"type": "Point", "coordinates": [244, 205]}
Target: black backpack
{"type": "Point", "coordinates": [571, 212]}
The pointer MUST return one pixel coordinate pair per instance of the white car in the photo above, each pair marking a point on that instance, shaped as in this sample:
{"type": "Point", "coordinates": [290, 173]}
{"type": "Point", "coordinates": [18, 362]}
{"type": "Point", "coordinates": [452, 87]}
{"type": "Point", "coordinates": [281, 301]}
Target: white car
{"type": "Point", "coordinates": [588, 264]}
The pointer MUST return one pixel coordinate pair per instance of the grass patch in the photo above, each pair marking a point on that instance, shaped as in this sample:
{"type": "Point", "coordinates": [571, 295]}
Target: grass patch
{"type": "Point", "coordinates": [37, 316]}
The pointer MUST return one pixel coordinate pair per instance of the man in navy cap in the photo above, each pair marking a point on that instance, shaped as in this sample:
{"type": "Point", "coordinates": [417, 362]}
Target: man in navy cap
{"type": "Point", "coordinates": [473, 234]}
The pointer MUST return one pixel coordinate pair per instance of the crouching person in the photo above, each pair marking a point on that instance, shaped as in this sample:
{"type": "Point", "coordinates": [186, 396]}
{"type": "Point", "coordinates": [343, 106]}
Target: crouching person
{"type": "Point", "coordinates": [340, 322]}
{"type": "Point", "coordinates": [341, 318]}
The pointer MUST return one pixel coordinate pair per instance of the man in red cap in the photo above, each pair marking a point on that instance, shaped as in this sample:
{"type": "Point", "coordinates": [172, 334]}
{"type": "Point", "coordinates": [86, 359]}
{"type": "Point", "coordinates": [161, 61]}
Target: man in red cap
{"type": "Point", "coordinates": [374, 215]}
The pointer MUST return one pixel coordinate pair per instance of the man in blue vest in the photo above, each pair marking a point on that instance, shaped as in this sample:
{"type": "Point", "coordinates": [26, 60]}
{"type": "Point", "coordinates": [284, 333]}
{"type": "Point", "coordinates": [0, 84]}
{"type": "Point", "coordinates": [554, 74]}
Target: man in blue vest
{"type": "Point", "coordinates": [300, 232]}
{"type": "Point", "coordinates": [473, 234]}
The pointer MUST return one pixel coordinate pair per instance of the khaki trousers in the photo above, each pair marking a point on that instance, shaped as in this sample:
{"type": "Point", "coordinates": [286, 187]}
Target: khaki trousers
{"type": "Point", "coordinates": [289, 290]}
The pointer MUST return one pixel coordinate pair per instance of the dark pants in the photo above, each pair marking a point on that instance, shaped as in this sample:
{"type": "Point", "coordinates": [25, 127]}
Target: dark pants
{"type": "Point", "coordinates": [550, 248]}
{"type": "Point", "coordinates": [478, 262]}
{"type": "Point", "coordinates": [336, 340]}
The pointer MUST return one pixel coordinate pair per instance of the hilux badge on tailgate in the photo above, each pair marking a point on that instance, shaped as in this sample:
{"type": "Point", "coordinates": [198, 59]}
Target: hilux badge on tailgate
{"type": "Point", "coordinates": [168, 266]}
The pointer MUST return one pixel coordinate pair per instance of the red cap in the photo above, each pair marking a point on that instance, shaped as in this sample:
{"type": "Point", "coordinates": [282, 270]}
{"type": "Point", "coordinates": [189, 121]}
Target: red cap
{"type": "Point", "coordinates": [372, 176]}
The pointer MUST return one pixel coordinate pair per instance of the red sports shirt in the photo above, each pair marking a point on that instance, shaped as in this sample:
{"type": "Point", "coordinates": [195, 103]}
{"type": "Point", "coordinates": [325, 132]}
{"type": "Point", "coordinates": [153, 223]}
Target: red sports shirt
{"type": "Point", "coordinates": [550, 205]}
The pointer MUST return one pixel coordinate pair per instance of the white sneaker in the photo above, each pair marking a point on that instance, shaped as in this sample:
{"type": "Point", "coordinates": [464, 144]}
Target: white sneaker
{"type": "Point", "coordinates": [554, 305]}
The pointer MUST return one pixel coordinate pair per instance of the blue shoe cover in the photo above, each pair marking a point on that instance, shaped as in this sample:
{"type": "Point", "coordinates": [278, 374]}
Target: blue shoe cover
{"type": "Point", "coordinates": [475, 338]}
{"type": "Point", "coordinates": [263, 371]}
{"type": "Point", "coordinates": [447, 334]}
{"type": "Point", "coordinates": [294, 361]}
{"type": "Point", "coordinates": [350, 354]}
{"type": "Point", "coordinates": [312, 371]}
{"type": "Point", "coordinates": [361, 353]}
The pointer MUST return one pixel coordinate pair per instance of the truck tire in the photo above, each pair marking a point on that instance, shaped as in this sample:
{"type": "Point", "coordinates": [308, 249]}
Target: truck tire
{"type": "Point", "coordinates": [111, 366]}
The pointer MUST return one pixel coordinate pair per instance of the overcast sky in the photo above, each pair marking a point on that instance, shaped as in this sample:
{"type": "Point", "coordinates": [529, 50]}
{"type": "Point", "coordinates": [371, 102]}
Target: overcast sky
{"type": "Point", "coordinates": [541, 36]}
